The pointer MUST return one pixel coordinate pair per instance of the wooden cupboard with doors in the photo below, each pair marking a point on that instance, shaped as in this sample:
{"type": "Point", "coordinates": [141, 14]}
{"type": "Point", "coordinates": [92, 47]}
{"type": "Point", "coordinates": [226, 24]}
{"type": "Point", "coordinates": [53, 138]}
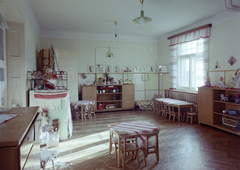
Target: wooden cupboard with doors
{"type": "Point", "coordinates": [19, 140]}
{"type": "Point", "coordinates": [219, 116]}
{"type": "Point", "coordinates": [110, 97]}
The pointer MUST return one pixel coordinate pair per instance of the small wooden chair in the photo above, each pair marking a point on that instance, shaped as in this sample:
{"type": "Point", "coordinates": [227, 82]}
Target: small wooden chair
{"type": "Point", "coordinates": [90, 109]}
{"type": "Point", "coordinates": [167, 111]}
{"type": "Point", "coordinates": [115, 143]}
{"type": "Point", "coordinates": [161, 108]}
{"type": "Point", "coordinates": [127, 147]}
{"type": "Point", "coordinates": [192, 115]}
{"type": "Point", "coordinates": [172, 112]}
{"type": "Point", "coordinates": [155, 106]}
{"type": "Point", "coordinates": [150, 147]}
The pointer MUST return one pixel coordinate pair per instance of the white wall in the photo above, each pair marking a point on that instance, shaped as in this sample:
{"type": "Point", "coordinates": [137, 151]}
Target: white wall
{"type": "Point", "coordinates": [224, 43]}
{"type": "Point", "coordinates": [163, 53]}
{"type": "Point", "coordinates": [129, 53]}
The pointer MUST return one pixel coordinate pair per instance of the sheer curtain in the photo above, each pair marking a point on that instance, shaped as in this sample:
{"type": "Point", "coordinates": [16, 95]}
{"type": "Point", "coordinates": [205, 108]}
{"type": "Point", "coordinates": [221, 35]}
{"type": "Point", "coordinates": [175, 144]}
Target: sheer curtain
{"type": "Point", "coordinates": [179, 46]}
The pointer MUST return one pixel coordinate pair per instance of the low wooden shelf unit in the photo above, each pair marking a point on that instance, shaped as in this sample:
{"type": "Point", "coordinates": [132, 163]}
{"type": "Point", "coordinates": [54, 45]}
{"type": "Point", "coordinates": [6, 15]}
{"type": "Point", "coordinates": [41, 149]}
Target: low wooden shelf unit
{"type": "Point", "coordinates": [110, 97]}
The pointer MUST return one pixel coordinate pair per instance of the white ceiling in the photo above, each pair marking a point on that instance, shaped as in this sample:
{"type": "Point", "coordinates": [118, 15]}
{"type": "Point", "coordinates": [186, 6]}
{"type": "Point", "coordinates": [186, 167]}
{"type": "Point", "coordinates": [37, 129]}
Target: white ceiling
{"type": "Point", "coordinates": [98, 16]}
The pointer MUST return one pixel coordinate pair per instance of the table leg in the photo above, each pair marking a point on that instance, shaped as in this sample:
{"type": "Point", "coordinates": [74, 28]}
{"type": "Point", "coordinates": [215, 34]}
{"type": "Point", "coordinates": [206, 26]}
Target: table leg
{"type": "Point", "coordinates": [110, 142]}
{"type": "Point", "coordinates": [179, 108]}
{"type": "Point", "coordinates": [119, 151]}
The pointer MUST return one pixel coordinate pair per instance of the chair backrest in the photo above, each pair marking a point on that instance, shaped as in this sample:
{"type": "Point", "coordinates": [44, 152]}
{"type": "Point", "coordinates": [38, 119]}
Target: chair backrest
{"type": "Point", "coordinates": [170, 108]}
{"type": "Point", "coordinates": [126, 142]}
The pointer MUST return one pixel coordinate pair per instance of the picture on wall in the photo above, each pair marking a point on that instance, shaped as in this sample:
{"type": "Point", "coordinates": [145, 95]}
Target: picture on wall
{"type": "Point", "coordinates": [127, 68]}
{"type": "Point", "coordinates": [116, 69]}
{"type": "Point", "coordinates": [144, 69]}
{"type": "Point", "coordinates": [151, 69]}
{"type": "Point", "coordinates": [1, 44]}
{"type": "Point", "coordinates": [108, 69]}
{"type": "Point", "coordinates": [99, 68]}
{"type": "Point", "coordinates": [232, 60]}
{"type": "Point", "coordinates": [1, 74]}
{"type": "Point", "coordinates": [90, 69]}
{"type": "Point", "coordinates": [135, 69]}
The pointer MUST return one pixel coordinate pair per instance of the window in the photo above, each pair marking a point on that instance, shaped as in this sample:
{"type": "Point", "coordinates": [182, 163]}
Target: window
{"type": "Point", "coordinates": [188, 58]}
{"type": "Point", "coordinates": [189, 66]}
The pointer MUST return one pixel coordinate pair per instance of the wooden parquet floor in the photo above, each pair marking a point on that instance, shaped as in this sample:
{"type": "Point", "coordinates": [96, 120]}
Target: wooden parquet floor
{"type": "Point", "coordinates": [182, 146]}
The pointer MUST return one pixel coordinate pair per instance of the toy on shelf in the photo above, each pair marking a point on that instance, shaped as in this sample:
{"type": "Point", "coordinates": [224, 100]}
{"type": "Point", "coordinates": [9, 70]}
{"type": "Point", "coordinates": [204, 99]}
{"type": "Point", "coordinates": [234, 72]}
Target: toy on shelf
{"type": "Point", "coordinates": [222, 83]}
{"type": "Point", "coordinates": [39, 75]}
{"type": "Point", "coordinates": [55, 124]}
{"type": "Point", "coordinates": [54, 74]}
{"type": "Point", "coordinates": [34, 74]}
{"type": "Point", "coordinates": [208, 82]}
{"type": "Point", "coordinates": [48, 73]}
{"type": "Point", "coordinates": [223, 98]}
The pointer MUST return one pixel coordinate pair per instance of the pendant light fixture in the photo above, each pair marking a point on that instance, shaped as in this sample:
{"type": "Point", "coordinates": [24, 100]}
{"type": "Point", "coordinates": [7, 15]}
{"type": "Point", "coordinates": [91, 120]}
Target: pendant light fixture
{"type": "Point", "coordinates": [115, 23]}
{"type": "Point", "coordinates": [142, 19]}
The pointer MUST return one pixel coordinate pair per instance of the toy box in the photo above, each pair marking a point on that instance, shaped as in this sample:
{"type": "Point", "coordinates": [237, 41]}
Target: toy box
{"type": "Point", "coordinates": [110, 106]}
{"type": "Point", "coordinates": [230, 122]}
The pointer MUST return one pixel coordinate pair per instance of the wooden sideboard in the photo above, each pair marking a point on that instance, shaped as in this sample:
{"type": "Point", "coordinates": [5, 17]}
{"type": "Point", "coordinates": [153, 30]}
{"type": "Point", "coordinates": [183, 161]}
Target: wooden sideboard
{"type": "Point", "coordinates": [210, 108]}
{"type": "Point", "coordinates": [123, 97]}
{"type": "Point", "coordinates": [19, 148]}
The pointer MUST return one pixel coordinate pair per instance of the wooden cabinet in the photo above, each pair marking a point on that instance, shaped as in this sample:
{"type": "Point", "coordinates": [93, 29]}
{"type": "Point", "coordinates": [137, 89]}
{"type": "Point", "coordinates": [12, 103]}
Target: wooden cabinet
{"type": "Point", "coordinates": [89, 93]}
{"type": "Point", "coordinates": [128, 98]}
{"type": "Point", "coordinates": [18, 146]}
{"type": "Point", "coordinates": [215, 116]}
{"type": "Point", "coordinates": [205, 114]}
{"type": "Point", "coordinates": [110, 97]}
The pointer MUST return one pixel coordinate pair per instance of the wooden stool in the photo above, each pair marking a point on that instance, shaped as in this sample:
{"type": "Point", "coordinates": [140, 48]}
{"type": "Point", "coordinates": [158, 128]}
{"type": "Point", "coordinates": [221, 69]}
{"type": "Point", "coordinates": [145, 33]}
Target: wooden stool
{"type": "Point", "coordinates": [191, 115]}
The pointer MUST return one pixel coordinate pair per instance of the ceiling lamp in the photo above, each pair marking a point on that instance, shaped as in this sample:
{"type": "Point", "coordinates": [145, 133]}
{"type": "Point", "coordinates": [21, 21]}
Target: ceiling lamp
{"type": "Point", "coordinates": [142, 19]}
{"type": "Point", "coordinates": [115, 23]}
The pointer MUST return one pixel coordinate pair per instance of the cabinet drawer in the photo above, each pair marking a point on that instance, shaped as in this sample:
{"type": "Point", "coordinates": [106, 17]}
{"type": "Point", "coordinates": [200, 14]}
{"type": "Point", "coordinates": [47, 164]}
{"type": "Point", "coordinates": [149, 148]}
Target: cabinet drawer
{"type": "Point", "coordinates": [26, 146]}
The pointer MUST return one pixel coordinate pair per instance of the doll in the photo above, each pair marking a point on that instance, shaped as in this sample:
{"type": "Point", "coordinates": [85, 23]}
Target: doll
{"type": "Point", "coordinates": [222, 84]}
{"type": "Point", "coordinates": [48, 73]}
{"type": "Point", "coordinates": [45, 119]}
{"type": "Point", "coordinates": [54, 74]}
{"type": "Point", "coordinates": [39, 75]}
{"type": "Point", "coordinates": [208, 82]}
{"type": "Point", "coordinates": [34, 74]}
{"type": "Point", "coordinates": [61, 74]}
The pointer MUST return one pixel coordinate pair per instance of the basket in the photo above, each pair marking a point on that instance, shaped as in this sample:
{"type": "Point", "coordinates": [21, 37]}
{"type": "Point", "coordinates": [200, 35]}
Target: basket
{"type": "Point", "coordinates": [230, 122]}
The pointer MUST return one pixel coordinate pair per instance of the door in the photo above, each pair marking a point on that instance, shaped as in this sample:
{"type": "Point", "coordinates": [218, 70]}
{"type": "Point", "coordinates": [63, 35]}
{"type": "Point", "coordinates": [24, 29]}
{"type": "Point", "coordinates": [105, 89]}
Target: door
{"type": "Point", "coordinates": [205, 103]}
{"type": "Point", "coordinates": [128, 96]}
{"type": "Point", "coordinates": [16, 74]}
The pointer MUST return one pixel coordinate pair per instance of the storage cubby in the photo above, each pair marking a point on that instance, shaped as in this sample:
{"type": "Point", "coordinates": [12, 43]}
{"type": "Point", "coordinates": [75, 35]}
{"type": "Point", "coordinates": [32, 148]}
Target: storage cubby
{"type": "Point", "coordinates": [110, 97]}
{"type": "Point", "coordinates": [221, 120]}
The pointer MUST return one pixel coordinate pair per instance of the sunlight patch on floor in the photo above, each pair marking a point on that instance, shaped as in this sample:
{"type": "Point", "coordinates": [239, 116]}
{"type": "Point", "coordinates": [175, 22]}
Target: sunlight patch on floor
{"type": "Point", "coordinates": [82, 141]}
{"type": "Point", "coordinates": [82, 155]}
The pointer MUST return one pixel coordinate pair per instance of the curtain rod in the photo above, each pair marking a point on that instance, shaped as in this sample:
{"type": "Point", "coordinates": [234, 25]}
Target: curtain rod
{"type": "Point", "coordinates": [194, 29]}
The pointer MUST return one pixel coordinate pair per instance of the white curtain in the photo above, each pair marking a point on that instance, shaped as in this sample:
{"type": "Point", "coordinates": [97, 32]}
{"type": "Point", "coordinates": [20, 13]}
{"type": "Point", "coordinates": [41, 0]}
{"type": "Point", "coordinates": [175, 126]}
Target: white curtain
{"type": "Point", "coordinates": [201, 37]}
